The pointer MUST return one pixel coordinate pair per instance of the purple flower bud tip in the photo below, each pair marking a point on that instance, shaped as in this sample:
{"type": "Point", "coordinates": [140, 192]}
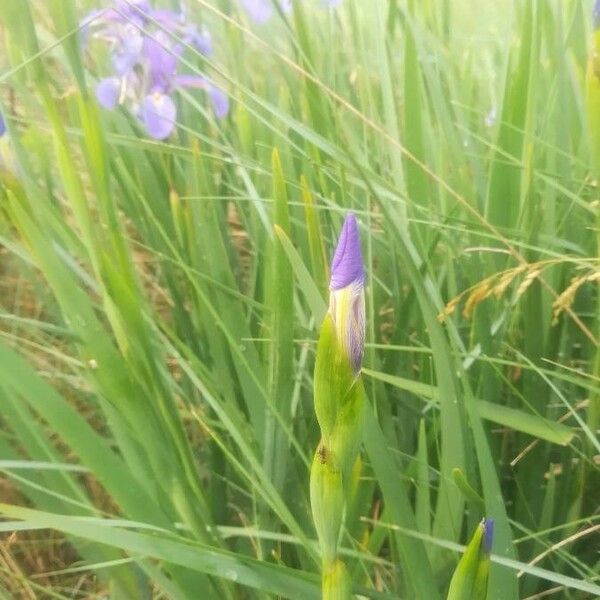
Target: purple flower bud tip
{"type": "Point", "coordinates": [488, 535]}
{"type": "Point", "coordinates": [347, 265]}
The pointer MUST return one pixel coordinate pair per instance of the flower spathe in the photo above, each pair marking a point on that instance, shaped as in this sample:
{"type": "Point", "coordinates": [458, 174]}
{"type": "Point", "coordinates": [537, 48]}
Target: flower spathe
{"type": "Point", "coordinates": [347, 297]}
{"type": "Point", "coordinates": [470, 578]}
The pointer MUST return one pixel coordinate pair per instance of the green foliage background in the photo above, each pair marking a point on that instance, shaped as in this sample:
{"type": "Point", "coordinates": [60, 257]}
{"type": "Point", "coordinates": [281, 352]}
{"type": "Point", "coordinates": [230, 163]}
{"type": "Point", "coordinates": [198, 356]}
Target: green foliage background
{"type": "Point", "coordinates": [160, 302]}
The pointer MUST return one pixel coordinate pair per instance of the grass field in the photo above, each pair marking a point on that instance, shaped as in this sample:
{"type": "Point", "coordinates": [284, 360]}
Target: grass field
{"type": "Point", "coordinates": [161, 295]}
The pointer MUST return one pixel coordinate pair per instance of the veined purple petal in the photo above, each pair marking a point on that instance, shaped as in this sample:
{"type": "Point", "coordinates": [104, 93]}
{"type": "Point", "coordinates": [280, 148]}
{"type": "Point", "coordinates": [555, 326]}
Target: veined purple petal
{"type": "Point", "coordinates": [347, 265]}
{"type": "Point", "coordinates": [107, 92]}
{"type": "Point", "coordinates": [158, 114]}
{"type": "Point", "coordinates": [162, 58]}
{"type": "Point", "coordinates": [488, 535]}
{"type": "Point", "coordinates": [2, 126]}
{"type": "Point", "coordinates": [220, 101]}
{"type": "Point", "coordinates": [259, 11]}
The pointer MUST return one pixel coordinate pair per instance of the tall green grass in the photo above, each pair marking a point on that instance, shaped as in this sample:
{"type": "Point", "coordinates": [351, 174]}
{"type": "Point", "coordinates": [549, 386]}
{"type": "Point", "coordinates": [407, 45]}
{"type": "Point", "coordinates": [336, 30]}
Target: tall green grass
{"type": "Point", "coordinates": [161, 300]}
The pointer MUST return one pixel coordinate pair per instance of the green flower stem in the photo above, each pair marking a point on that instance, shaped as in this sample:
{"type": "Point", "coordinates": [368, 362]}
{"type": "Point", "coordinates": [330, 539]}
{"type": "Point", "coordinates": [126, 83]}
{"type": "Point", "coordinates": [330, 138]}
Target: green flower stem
{"type": "Point", "coordinates": [339, 397]}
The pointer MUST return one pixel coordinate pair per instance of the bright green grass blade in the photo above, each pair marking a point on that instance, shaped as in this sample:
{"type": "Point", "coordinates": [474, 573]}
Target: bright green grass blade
{"type": "Point", "coordinates": [416, 568]}
{"type": "Point", "coordinates": [518, 420]}
{"type": "Point", "coordinates": [233, 567]}
{"type": "Point", "coordinates": [280, 298]}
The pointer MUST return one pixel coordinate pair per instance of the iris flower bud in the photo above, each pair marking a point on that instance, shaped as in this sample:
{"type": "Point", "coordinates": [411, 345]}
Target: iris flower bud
{"type": "Point", "coordinates": [470, 578]}
{"type": "Point", "coordinates": [339, 397]}
{"type": "Point", "coordinates": [347, 298]}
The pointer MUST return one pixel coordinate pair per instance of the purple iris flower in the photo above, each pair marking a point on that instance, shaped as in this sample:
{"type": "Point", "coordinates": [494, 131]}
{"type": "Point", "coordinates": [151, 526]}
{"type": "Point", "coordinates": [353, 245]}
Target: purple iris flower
{"type": "Point", "coordinates": [146, 60]}
{"type": "Point", "coordinates": [347, 297]}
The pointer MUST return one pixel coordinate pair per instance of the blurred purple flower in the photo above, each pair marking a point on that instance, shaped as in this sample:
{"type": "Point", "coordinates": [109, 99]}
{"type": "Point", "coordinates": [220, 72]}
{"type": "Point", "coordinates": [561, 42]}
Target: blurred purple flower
{"type": "Point", "coordinates": [2, 125]}
{"type": "Point", "coordinates": [260, 11]}
{"type": "Point", "coordinates": [220, 101]}
{"type": "Point", "coordinates": [145, 59]}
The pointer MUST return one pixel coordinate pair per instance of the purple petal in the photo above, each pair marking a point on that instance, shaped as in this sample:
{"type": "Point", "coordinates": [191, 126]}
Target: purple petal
{"type": "Point", "coordinates": [259, 11]}
{"type": "Point", "coordinates": [158, 113]}
{"type": "Point", "coordinates": [168, 18]}
{"type": "Point", "coordinates": [220, 102]}
{"type": "Point", "coordinates": [488, 535]}
{"type": "Point", "coordinates": [2, 126]}
{"type": "Point", "coordinates": [128, 49]}
{"type": "Point", "coordinates": [191, 81]}
{"type": "Point", "coordinates": [107, 92]}
{"type": "Point", "coordinates": [347, 265]}
{"type": "Point", "coordinates": [596, 15]}
{"type": "Point", "coordinates": [134, 9]}
{"type": "Point", "coordinates": [201, 40]}
{"type": "Point", "coordinates": [162, 58]}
